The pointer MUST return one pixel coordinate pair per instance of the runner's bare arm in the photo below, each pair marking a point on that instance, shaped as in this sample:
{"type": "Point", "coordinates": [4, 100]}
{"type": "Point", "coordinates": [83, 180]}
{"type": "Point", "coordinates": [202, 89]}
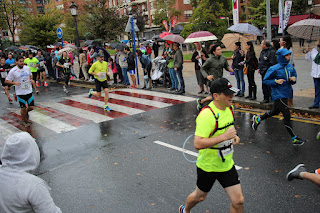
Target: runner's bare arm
{"type": "Point", "coordinates": [203, 143]}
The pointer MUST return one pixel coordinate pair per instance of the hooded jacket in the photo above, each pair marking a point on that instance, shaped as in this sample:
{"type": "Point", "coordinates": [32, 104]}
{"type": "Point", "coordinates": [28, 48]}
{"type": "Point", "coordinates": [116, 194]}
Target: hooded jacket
{"type": "Point", "coordinates": [214, 66]}
{"type": "Point", "coordinates": [282, 70]}
{"type": "Point", "coordinates": [20, 191]}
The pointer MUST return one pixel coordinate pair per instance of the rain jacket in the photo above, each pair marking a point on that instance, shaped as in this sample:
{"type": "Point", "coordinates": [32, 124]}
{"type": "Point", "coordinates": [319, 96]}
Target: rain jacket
{"type": "Point", "coordinates": [267, 59]}
{"type": "Point", "coordinates": [214, 66]}
{"type": "Point", "coordinates": [282, 70]}
{"type": "Point", "coordinates": [20, 191]}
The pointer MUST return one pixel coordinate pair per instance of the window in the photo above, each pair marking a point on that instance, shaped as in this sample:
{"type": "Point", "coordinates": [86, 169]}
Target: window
{"type": "Point", "coordinates": [187, 14]}
{"type": "Point", "coordinates": [39, 1]}
{"type": "Point", "coordinates": [40, 9]}
{"type": "Point", "coordinates": [21, 1]}
{"type": "Point", "coordinates": [5, 33]}
{"type": "Point", "coordinates": [151, 6]}
{"type": "Point", "coordinates": [60, 7]}
{"type": "Point", "coordinates": [186, 2]}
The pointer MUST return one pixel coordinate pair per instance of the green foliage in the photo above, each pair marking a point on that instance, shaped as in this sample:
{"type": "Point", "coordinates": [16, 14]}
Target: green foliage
{"type": "Point", "coordinates": [207, 17]}
{"type": "Point", "coordinates": [102, 22]}
{"type": "Point", "coordinates": [258, 12]}
{"type": "Point", "coordinates": [40, 30]}
{"type": "Point", "coordinates": [165, 10]}
{"type": "Point", "coordinates": [298, 6]}
{"type": "Point", "coordinates": [69, 29]}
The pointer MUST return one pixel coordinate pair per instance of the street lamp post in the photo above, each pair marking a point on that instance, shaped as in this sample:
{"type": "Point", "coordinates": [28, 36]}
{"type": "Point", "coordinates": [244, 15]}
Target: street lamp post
{"type": "Point", "coordinates": [309, 4]}
{"type": "Point", "coordinates": [74, 13]}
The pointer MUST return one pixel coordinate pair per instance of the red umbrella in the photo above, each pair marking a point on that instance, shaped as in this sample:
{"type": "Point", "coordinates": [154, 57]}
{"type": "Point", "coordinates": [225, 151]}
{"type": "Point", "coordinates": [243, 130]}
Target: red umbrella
{"type": "Point", "coordinates": [163, 34]}
{"type": "Point", "coordinates": [200, 36]}
{"type": "Point", "coordinates": [174, 38]}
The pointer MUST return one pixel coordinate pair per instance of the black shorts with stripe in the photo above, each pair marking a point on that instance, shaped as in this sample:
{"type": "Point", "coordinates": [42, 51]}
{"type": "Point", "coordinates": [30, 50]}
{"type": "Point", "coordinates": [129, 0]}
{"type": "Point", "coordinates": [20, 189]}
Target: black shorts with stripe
{"type": "Point", "coordinates": [25, 100]}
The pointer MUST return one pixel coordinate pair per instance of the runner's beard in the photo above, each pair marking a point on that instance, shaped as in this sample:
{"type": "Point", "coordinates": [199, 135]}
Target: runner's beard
{"type": "Point", "coordinates": [20, 67]}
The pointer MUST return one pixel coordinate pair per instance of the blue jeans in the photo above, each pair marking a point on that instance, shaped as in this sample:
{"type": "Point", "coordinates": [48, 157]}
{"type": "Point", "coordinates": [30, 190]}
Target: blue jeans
{"type": "Point", "coordinates": [174, 79]}
{"type": "Point", "coordinates": [125, 76]}
{"type": "Point", "coordinates": [179, 72]}
{"type": "Point", "coordinates": [316, 92]}
{"type": "Point", "coordinates": [239, 77]}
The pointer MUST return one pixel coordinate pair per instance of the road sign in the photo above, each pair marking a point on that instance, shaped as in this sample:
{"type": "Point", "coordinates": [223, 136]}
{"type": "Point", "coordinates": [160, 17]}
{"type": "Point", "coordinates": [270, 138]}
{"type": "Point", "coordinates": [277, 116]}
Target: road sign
{"type": "Point", "coordinates": [129, 26]}
{"type": "Point", "coordinates": [59, 32]}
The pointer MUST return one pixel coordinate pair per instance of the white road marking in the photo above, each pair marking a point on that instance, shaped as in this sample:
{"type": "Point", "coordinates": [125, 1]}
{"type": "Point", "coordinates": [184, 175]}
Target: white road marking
{"type": "Point", "coordinates": [47, 121]}
{"type": "Point", "coordinates": [160, 94]}
{"type": "Point", "coordinates": [95, 117]}
{"type": "Point", "coordinates": [119, 108]}
{"type": "Point", "coordinates": [185, 151]}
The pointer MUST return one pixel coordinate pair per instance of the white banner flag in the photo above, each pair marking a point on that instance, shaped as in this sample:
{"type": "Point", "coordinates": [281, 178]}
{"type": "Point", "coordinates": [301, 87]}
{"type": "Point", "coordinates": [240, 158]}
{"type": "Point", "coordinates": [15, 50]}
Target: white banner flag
{"type": "Point", "coordinates": [287, 10]}
{"type": "Point", "coordinates": [235, 11]}
{"type": "Point", "coordinates": [280, 30]}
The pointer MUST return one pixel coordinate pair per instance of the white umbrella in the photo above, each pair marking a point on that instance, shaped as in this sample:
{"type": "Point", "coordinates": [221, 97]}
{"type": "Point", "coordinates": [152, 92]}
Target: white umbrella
{"type": "Point", "coordinates": [174, 38]}
{"type": "Point", "coordinates": [67, 49]}
{"type": "Point", "coordinates": [307, 29]}
{"type": "Point", "coordinates": [245, 28]}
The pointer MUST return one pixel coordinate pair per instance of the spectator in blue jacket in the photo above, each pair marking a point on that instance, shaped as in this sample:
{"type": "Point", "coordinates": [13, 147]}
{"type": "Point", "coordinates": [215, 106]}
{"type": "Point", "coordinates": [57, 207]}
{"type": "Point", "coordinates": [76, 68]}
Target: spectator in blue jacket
{"type": "Point", "coordinates": [146, 66]}
{"type": "Point", "coordinates": [280, 78]}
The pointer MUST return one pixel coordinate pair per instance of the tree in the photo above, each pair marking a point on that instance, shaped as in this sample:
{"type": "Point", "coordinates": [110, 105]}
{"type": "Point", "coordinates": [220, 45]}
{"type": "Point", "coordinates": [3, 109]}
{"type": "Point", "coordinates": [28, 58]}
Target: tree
{"type": "Point", "coordinates": [207, 17]}
{"type": "Point", "coordinates": [258, 12]}
{"type": "Point", "coordinates": [69, 27]}
{"type": "Point", "coordinates": [40, 30]}
{"type": "Point", "coordinates": [165, 9]}
{"type": "Point", "coordinates": [104, 23]}
{"type": "Point", "coordinates": [12, 13]}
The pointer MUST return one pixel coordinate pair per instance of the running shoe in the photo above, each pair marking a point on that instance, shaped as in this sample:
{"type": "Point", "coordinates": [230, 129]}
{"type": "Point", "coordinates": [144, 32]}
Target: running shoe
{"type": "Point", "coordinates": [106, 108]}
{"type": "Point", "coordinates": [136, 86]}
{"type": "Point", "coordinates": [255, 122]}
{"type": "Point", "coordinates": [132, 87]}
{"type": "Point", "coordinates": [65, 89]}
{"type": "Point", "coordinates": [90, 93]}
{"type": "Point", "coordinates": [10, 100]}
{"type": "Point", "coordinates": [37, 92]}
{"type": "Point", "coordinates": [295, 173]}
{"type": "Point", "coordinates": [297, 141]}
{"type": "Point", "coordinates": [199, 105]}
{"type": "Point", "coordinates": [181, 209]}
{"type": "Point", "coordinates": [46, 84]}
{"type": "Point", "coordinates": [37, 83]}
{"type": "Point", "coordinates": [15, 97]}
{"type": "Point", "coordinates": [317, 171]}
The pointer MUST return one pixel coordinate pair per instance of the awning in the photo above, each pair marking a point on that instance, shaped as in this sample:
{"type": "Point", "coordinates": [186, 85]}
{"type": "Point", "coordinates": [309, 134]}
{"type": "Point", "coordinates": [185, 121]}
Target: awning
{"type": "Point", "coordinates": [293, 19]}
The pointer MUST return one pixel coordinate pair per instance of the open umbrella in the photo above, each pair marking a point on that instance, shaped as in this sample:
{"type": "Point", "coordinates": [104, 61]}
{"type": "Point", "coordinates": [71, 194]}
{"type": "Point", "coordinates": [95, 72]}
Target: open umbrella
{"type": "Point", "coordinates": [121, 46]}
{"type": "Point", "coordinates": [113, 45]}
{"type": "Point", "coordinates": [163, 34]}
{"type": "Point", "coordinates": [307, 29]}
{"type": "Point", "coordinates": [12, 48]}
{"type": "Point", "coordinates": [174, 38]}
{"type": "Point", "coordinates": [66, 49]}
{"type": "Point", "coordinates": [246, 29]}
{"type": "Point", "coordinates": [70, 45]}
{"type": "Point", "coordinates": [200, 36]}
{"type": "Point", "coordinates": [230, 38]}
{"type": "Point", "coordinates": [316, 9]}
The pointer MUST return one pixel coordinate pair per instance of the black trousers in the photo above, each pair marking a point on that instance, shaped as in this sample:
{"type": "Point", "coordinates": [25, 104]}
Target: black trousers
{"type": "Point", "coordinates": [115, 78]}
{"type": "Point", "coordinates": [250, 76]}
{"type": "Point", "coordinates": [266, 89]}
{"type": "Point", "coordinates": [281, 105]}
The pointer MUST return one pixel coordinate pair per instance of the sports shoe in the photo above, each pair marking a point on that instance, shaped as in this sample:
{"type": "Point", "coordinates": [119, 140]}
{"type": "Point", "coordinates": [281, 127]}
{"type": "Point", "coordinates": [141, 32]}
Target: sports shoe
{"type": "Point", "coordinates": [46, 84]}
{"type": "Point", "coordinates": [317, 171]}
{"type": "Point", "coordinates": [181, 209]}
{"type": "Point", "coordinates": [106, 108]}
{"type": "Point", "coordinates": [199, 105]}
{"type": "Point", "coordinates": [37, 83]}
{"type": "Point", "coordinates": [65, 89]}
{"type": "Point", "coordinates": [297, 141]}
{"type": "Point", "coordinates": [136, 86]}
{"type": "Point", "coordinates": [10, 100]}
{"type": "Point", "coordinates": [37, 92]}
{"type": "Point", "coordinates": [90, 93]}
{"type": "Point", "coordinates": [255, 122]}
{"type": "Point", "coordinates": [295, 173]}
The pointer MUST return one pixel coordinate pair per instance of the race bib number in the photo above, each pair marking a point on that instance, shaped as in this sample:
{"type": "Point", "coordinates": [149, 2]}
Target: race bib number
{"type": "Point", "coordinates": [66, 65]}
{"type": "Point", "coordinates": [102, 76]}
{"type": "Point", "coordinates": [4, 74]}
{"type": "Point", "coordinates": [41, 63]}
{"type": "Point", "coordinates": [25, 85]}
{"type": "Point", "coordinates": [227, 151]}
{"type": "Point", "coordinates": [31, 64]}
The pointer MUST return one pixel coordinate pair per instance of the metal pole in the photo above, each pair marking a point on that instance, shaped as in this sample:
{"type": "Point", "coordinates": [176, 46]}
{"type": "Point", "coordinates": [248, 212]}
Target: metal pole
{"type": "Point", "coordinates": [268, 21]}
{"type": "Point", "coordinates": [134, 48]}
{"type": "Point", "coordinates": [76, 31]}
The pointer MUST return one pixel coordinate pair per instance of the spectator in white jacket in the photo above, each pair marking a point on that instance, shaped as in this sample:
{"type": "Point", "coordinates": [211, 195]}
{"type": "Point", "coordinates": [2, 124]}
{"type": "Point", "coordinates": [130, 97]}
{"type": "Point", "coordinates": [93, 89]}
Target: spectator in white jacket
{"type": "Point", "coordinates": [314, 56]}
{"type": "Point", "coordinates": [21, 191]}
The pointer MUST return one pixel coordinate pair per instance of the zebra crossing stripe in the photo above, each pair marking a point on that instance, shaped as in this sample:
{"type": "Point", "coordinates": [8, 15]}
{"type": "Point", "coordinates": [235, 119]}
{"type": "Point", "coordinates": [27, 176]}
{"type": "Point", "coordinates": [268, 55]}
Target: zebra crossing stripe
{"type": "Point", "coordinates": [47, 121]}
{"type": "Point", "coordinates": [148, 97]}
{"type": "Point", "coordinates": [114, 107]}
{"type": "Point", "coordinates": [97, 118]}
{"type": "Point", "coordinates": [161, 94]}
{"type": "Point", "coordinates": [6, 129]}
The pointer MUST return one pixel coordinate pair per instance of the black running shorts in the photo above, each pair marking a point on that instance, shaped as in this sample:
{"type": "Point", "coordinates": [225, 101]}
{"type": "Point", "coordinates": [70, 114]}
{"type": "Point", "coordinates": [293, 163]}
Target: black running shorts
{"type": "Point", "coordinates": [99, 84]}
{"type": "Point", "coordinates": [25, 99]}
{"type": "Point", "coordinates": [2, 82]}
{"type": "Point", "coordinates": [41, 70]}
{"type": "Point", "coordinates": [34, 76]}
{"type": "Point", "coordinates": [205, 180]}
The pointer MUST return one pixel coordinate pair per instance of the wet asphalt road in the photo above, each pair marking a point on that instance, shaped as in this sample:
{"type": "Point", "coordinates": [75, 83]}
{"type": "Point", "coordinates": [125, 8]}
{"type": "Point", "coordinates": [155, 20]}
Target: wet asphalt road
{"type": "Point", "coordinates": [115, 166]}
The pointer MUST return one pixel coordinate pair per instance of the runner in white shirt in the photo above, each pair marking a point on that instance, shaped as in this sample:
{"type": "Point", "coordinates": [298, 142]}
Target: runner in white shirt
{"type": "Point", "coordinates": [21, 77]}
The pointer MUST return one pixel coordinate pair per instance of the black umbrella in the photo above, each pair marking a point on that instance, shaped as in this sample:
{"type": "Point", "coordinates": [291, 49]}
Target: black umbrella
{"type": "Point", "coordinates": [177, 29]}
{"type": "Point", "coordinates": [93, 43]}
{"type": "Point", "coordinates": [58, 44]}
{"type": "Point", "coordinates": [12, 48]}
{"type": "Point", "coordinates": [113, 45]}
{"type": "Point", "coordinates": [121, 46]}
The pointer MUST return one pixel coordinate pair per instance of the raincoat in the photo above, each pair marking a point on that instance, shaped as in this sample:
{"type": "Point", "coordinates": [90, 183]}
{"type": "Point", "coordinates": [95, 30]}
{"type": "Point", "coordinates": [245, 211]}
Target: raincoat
{"type": "Point", "coordinates": [282, 70]}
{"type": "Point", "coordinates": [20, 191]}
